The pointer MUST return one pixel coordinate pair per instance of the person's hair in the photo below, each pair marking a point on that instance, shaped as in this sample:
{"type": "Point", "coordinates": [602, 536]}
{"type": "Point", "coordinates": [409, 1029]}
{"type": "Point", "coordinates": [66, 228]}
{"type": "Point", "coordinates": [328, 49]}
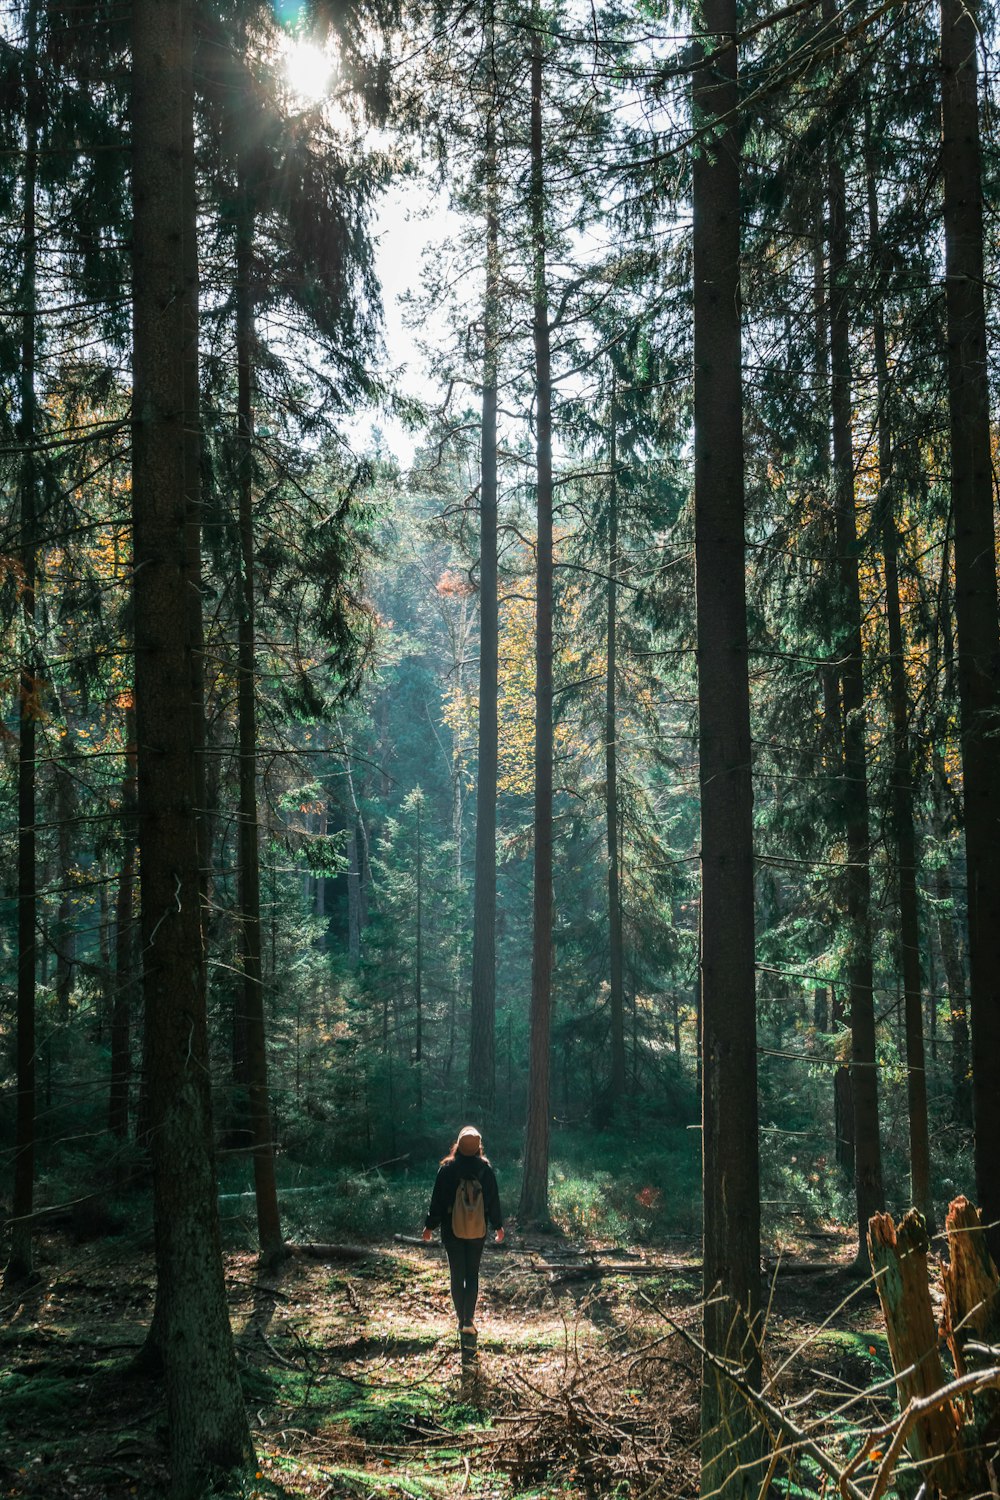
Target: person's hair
{"type": "Point", "coordinates": [454, 1152]}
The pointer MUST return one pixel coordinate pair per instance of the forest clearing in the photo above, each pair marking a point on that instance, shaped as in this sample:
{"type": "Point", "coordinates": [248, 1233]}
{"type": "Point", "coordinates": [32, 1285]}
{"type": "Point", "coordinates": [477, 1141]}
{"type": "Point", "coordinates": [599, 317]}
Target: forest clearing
{"type": "Point", "coordinates": [356, 1385]}
{"type": "Point", "coordinates": [500, 749]}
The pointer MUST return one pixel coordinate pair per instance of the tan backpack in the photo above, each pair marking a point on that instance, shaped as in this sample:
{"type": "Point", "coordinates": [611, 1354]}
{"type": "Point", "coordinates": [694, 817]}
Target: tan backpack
{"type": "Point", "coordinates": [468, 1215]}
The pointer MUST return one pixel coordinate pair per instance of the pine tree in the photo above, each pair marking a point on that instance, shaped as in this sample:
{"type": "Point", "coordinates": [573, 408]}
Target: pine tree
{"type": "Point", "coordinates": [534, 1204]}
{"type": "Point", "coordinates": [849, 654]}
{"type": "Point", "coordinates": [729, 1049]}
{"type": "Point", "coordinates": [207, 1420]}
{"type": "Point", "coordinates": [975, 573]}
{"type": "Point", "coordinates": [482, 1018]}
{"type": "Point", "coordinates": [29, 688]}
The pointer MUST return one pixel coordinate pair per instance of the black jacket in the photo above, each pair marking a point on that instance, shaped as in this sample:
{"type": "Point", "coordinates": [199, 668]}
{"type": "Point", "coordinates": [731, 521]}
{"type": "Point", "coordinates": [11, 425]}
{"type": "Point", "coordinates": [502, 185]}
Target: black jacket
{"type": "Point", "coordinates": [446, 1186]}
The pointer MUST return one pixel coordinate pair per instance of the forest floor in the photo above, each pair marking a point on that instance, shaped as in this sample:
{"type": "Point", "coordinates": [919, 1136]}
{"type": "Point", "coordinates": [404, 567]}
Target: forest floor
{"type": "Point", "coordinates": [356, 1388]}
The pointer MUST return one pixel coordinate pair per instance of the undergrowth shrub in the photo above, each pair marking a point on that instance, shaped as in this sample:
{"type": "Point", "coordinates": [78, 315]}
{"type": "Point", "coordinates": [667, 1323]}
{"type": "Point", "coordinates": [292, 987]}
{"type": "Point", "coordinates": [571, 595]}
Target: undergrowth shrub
{"type": "Point", "coordinates": [320, 1203]}
{"type": "Point", "coordinates": [609, 1185]}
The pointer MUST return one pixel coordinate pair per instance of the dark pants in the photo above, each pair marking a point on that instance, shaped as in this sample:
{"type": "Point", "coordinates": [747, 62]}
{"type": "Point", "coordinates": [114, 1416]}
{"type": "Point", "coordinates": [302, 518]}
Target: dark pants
{"type": "Point", "coordinates": [463, 1262]}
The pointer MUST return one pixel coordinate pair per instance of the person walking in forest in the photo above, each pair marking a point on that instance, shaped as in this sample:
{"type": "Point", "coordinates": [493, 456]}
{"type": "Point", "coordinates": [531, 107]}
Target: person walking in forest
{"type": "Point", "coordinates": [464, 1201]}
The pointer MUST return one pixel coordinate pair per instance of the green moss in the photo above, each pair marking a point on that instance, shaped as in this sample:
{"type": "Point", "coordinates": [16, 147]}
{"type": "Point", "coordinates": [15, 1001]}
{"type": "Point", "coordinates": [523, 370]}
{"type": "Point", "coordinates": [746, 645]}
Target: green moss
{"type": "Point", "coordinates": [861, 1356]}
{"type": "Point", "coordinates": [36, 1400]}
{"type": "Point", "coordinates": [394, 1422]}
{"type": "Point", "coordinates": [360, 1482]}
{"type": "Point", "coordinates": [458, 1416]}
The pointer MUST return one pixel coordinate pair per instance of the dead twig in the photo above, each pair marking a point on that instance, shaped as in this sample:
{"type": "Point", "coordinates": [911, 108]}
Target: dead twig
{"type": "Point", "coordinates": [800, 1441]}
{"type": "Point", "coordinates": [917, 1409]}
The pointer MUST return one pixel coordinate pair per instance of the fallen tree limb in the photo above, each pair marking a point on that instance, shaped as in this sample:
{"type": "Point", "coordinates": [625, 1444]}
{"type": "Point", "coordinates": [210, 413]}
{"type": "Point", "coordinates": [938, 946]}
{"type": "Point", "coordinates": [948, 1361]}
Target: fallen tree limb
{"type": "Point", "coordinates": [559, 1275]}
{"type": "Point", "coordinates": [805, 1267]}
{"type": "Point", "coordinates": [346, 1253]}
{"type": "Point", "coordinates": [774, 1415]}
{"type": "Point", "coordinates": [421, 1244]}
{"type": "Point", "coordinates": [573, 1252]}
{"type": "Point", "coordinates": [919, 1409]}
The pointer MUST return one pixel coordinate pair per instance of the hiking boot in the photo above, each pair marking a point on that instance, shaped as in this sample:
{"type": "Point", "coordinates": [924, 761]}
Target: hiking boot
{"type": "Point", "coordinates": [469, 1328]}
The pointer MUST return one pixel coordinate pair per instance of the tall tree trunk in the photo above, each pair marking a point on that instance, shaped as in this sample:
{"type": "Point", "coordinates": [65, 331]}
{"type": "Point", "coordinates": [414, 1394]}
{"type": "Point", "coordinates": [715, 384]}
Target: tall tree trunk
{"type": "Point", "coordinates": [902, 777]}
{"type": "Point", "coordinates": [482, 1023]}
{"type": "Point", "coordinates": [192, 475]}
{"type": "Point", "coordinates": [730, 1159]}
{"type": "Point", "coordinates": [418, 978]}
{"type": "Point", "coordinates": [957, 1014]}
{"type": "Point", "coordinates": [19, 1263]}
{"type": "Point", "coordinates": [832, 736]}
{"type": "Point", "coordinates": [121, 1014]}
{"type": "Point", "coordinates": [353, 894]}
{"type": "Point", "coordinates": [534, 1204]}
{"type": "Point", "coordinates": [931, 1017]}
{"type": "Point", "coordinates": [457, 822]}
{"type": "Point", "coordinates": [65, 931]}
{"type": "Point", "coordinates": [975, 574]}
{"type": "Point", "coordinates": [843, 1096]}
{"type": "Point", "coordinates": [864, 1079]}
{"type": "Point", "coordinates": [191, 441]}
{"type": "Point", "coordinates": [206, 1416]}
{"type": "Point", "coordinates": [105, 994]}
{"type": "Point", "coordinates": [319, 892]}
{"type": "Point", "coordinates": [611, 777]}
{"type": "Point", "coordinates": [266, 1190]}
{"type": "Point", "coordinates": [357, 860]}
{"type": "Point", "coordinates": [699, 1061]}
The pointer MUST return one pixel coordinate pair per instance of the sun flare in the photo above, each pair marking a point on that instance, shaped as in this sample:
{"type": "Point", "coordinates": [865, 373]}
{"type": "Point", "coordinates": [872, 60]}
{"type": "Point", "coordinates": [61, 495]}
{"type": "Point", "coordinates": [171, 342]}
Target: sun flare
{"type": "Point", "coordinates": [308, 69]}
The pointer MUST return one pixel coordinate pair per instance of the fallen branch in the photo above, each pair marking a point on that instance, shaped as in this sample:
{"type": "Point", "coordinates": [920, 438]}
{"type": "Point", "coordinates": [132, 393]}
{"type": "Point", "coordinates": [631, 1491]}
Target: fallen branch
{"type": "Point", "coordinates": [918, 1408]}
{"type": "Point", "coordinates": [421, 1244]}
{"type": "Point", "coordinates": [390, 1161]}
{"type": "Point", "coordinates": [275, 1354]}
{"type": "Point", "coordinates": [804, 1267]}
{"type": "Point", "coordinates": [558, 1276]}
{"type": "Point", "coordinates": [768, 1409]}
{"type": "Point", "coordinates": [337, 1252]}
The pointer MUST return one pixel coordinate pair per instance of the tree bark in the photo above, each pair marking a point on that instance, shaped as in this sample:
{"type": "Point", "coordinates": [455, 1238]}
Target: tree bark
{"type": "Point", "coordinates": [864, 1078]}
{"type": "Point", "coordinates": [105, 993]}
{"type": "Point", "coordinates": [904, 823]}
{"type": "Point", "coordinates": [206, 1417]}
{"type": "Point", "coordinates": [957, 1014]}
{"type": "Point", "coordinates": [192, 470]}
{"type": "Point", "coordinates": [899, 1260]}
{"type": "Point", "coordinates": [975, 574]}
{"type": "Point", "coordinates": [482, 1034]}
{"type": "Point", "coordinates": [19, 1262]}
{"type": "Point", "coordinates": [534, 1203]}
{"type": "Point", "coordinates": [65, 932]}
{"type": "Point", "coordinates": [121, 1020]}
{"type": "Point", "coordinates": [353, 895]}
{"type": "Point", "coordinates": [948, 1424]}
{"type": "Point", "coordinates": [971, 1287]}
{"type": "Point", "coordinates": [611, 780]}
{"type": "Point", "coordinates": [730, 1162]}
{"type": "Point", "coordinates": [357, 860]}
{"type": "Point", "coordinates": [418, 976]}
{"type": "Point", "coordinates": [266, 1190]}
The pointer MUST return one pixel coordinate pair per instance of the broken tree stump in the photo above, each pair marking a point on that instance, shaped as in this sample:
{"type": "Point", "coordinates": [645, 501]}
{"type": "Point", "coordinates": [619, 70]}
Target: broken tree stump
{"type": "Point", "coordinates": [950, 1423]}
{"type": "Point", "coordinates": [971, 1288]}
{"type": "Point", "coordinates": [899, 1260]}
